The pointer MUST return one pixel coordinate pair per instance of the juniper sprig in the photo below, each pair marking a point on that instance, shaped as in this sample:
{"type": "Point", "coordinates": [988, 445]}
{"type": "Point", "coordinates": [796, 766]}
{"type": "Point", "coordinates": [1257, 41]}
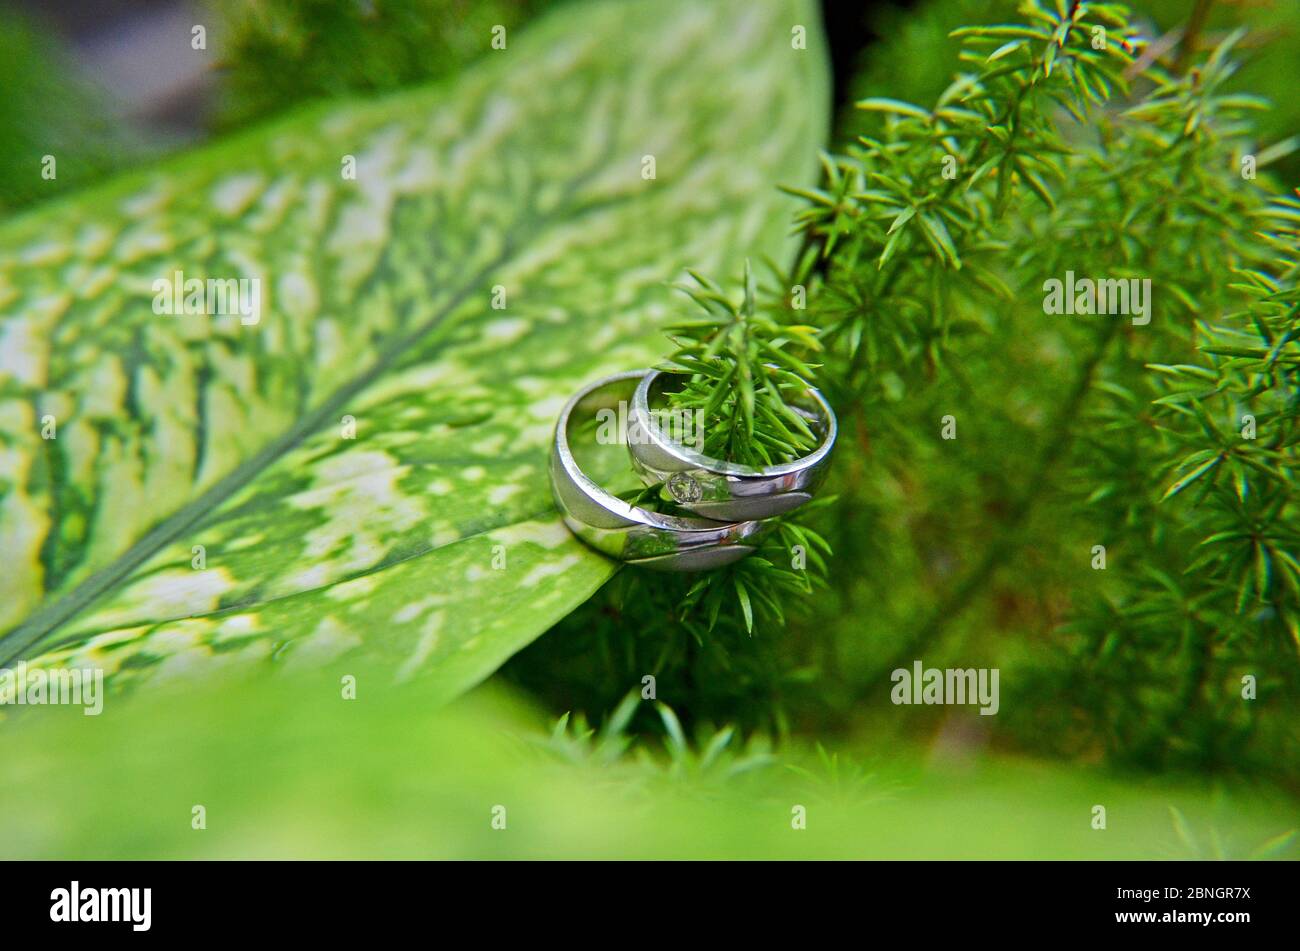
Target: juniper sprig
{"type": "Point", "coordinates": [904, 208]}
{"type": "Point", "coordinates": [740, 366]}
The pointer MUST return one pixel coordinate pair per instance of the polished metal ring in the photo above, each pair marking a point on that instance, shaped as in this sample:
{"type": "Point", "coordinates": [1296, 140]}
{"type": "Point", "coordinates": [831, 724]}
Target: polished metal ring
{"type": "Point", "coordinates": [628, 532]}
{"type": "Point", "coordinates": [725, 490]}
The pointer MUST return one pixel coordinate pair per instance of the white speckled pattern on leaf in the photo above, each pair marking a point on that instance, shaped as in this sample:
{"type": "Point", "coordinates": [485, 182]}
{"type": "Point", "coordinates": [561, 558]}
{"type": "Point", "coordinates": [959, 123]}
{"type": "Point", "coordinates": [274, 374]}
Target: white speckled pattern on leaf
{"type": "Point", "coordinates": [178, 431]}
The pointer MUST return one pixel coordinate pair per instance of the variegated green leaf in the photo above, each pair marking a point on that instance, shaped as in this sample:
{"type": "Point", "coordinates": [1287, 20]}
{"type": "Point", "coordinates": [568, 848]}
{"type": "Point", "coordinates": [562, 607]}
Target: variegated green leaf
{"type": "Point", "coordinates": [503, 241]}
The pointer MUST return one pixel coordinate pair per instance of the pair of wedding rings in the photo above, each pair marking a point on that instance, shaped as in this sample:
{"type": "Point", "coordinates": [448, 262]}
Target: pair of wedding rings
{"type": "Point", "coordinates": [733, 501]}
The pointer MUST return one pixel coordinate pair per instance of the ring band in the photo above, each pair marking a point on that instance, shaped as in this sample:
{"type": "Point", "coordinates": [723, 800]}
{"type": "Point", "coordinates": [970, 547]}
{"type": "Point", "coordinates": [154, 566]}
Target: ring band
{"type": "Point", "coordinates": [722, 490]}
{"type": "Point", "coordinates": [628, 532]}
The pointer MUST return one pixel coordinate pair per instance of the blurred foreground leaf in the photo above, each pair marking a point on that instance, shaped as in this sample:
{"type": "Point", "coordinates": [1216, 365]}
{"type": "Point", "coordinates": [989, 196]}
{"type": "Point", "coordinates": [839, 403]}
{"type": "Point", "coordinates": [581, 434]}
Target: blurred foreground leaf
{"type": "Point", "coordinates": [284, 767]}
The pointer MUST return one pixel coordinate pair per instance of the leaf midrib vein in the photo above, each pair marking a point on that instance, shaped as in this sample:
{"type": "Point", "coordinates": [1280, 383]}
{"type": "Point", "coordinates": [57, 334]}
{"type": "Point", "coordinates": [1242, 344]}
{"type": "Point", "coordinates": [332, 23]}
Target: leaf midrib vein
{"type": "Point", "coordinates": [49, 617]}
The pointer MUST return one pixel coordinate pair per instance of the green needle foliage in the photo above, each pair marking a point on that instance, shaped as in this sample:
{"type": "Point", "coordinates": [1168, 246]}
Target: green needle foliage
{"type": "Point", "coordinates": [1112, 518]}
{"type": "Point", "coordinates": [712, 638]}
{"type": "Point", "coordinates": [926, 196]}
{"type": "Point", "coordinates": [1051, 178]}
{"type": "Point", "coordinates": [1216, 612]}
{"type": "Point", "coordinates": [714, 643]}
{"type": "Point", "coordinates": [741, 365]}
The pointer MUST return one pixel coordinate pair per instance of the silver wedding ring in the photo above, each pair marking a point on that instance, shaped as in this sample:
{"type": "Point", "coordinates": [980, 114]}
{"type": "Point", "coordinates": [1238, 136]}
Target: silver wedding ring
{"type": "Point", "coordinates": [628, 532]}
{"type": "Point", "coordinates": [723, 490]}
